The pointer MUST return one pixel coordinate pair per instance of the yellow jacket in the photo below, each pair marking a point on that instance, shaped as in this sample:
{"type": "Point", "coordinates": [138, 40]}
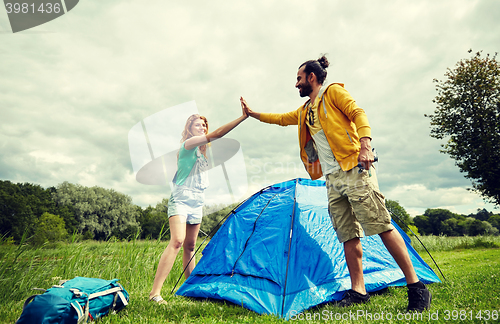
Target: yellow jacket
{"type": "Point", "coordinates": [343, 122]}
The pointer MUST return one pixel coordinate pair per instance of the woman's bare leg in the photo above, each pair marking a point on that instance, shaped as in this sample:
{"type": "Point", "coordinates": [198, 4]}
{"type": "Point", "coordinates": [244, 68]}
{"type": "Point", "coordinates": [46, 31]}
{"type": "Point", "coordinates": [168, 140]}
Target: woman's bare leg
{"type": "Point", "coordinates": [177, 237]}
{"type": "Point", "coordinates": [189, 247]}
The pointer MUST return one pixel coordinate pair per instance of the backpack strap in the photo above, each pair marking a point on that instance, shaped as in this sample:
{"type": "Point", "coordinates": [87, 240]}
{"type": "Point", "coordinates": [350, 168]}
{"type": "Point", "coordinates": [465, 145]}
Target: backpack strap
{"type": "Point", "coordinates": [123, 299]}
{"type": "Point", "coordinates": [117, 291]}
{"type": "Point", "coordinates": [122, 296]}
{"type": "Point", "coordinates": [105, 292]}
{"type": "Point", "coordinates": [82, 315]}
{"type": "Point", "coordinates": [30, 298]}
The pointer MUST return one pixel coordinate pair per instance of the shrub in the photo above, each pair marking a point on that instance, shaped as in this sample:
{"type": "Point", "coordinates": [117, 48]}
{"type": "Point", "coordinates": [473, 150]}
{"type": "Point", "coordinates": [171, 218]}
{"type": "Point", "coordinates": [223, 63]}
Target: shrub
{"type": "Point", "coordinates": [49, 228]}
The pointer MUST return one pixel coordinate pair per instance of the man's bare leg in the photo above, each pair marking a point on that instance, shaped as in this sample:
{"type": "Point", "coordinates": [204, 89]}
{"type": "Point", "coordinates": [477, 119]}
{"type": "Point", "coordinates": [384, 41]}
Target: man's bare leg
{"type": "Point", "coordinates": [397, 248]}
{"type": "Point", "coordinates": [353, 252]}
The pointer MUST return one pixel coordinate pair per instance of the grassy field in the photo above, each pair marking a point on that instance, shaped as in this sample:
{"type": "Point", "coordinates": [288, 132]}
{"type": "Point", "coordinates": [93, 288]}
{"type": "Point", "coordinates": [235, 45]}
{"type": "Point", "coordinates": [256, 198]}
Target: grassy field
{"type": "Point", "coordinates": [471, 266]}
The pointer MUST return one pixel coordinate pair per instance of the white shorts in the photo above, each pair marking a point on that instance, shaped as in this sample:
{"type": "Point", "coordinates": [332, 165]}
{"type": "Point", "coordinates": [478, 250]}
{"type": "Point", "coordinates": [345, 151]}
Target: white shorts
{"type": "Point", "coordinates": [187, 203]}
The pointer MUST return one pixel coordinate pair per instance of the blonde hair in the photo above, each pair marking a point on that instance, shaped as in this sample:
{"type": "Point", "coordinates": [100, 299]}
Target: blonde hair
{"type": "Point", "coordinates": [186, 133]}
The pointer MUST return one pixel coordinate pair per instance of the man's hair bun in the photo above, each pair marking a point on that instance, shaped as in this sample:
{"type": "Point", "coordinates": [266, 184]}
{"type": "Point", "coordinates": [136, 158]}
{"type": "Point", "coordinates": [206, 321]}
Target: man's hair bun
{"type": "Point", "coordinates": [323, 61]}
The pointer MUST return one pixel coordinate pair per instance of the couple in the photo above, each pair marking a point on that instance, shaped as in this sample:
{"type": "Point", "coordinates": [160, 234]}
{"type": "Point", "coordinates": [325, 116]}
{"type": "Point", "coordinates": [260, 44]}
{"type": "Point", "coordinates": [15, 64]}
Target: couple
{"type": "Point", "coordinates": [334, 137]}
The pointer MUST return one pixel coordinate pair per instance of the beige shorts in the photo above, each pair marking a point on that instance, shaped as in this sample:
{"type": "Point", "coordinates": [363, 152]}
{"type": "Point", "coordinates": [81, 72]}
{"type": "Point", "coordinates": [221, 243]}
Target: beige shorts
{"type": "Point", "coordinates": [356, 204]}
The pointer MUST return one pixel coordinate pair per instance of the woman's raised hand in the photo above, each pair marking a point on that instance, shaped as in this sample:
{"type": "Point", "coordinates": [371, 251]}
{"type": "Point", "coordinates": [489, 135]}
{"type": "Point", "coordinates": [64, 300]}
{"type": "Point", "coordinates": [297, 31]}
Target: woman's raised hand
{"type": "Point", "coordinates": [246, 109]}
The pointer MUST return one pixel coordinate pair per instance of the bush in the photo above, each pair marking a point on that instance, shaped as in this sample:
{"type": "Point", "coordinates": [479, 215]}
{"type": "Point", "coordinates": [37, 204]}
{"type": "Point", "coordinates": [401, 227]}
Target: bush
{"type": "Point", "coordinates": [478, 242]}
{"type": "Point", "coordinates": [414, 229]}
{"type": "Point", "coordinates": [49, 228]}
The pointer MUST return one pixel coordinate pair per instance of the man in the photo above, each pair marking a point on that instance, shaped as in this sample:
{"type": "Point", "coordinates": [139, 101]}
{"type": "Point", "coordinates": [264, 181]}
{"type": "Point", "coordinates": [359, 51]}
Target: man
{"type": "Point", "coordinates": [334, 136]}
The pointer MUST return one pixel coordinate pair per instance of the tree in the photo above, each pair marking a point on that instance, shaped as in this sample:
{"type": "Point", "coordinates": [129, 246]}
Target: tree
{"type": "Point", "coordinates": [422, 223]}
{"type": "Point", "coordinates": [468, 115]}
{"type": "Point", "coordinates": [66, 212]}
{"type": "Point", "coordinates": [477, 227]}
{"type": "Point", "coordinates": [49, 228]}
{"type": "Point", "coordinates": [482, 214]}
{"type": "Point", "coordinates": [400, 216]}
{"type": "Point", "coordinates": [102, 212]}
{"type": "Point", "coordinates": [21, 204]}
{"type": "Point", "coordinates": [432, 221]}
{"type": "Point", "coordinates": [154, 221]}
{"type": "Point", "coordinates": [494, 220]}
{"type": "Point", "coordinates": [16, 216]}
{"type": "Point", "coordinates": [490, 229]}
{"type": "Point", "coordinates": [450, 227]}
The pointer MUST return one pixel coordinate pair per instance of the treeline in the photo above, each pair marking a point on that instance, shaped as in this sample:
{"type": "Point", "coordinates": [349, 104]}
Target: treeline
{"type": "Point", "coordinates": [444, 222]}
{"type": "Point", "coordinates": [29, 212]}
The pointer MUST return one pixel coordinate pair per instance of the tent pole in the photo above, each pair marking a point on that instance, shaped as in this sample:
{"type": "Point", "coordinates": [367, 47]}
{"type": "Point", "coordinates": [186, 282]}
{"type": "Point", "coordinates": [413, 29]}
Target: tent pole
{"type": "Point", "coordinates": [419, 241]}
{"type": "Point", "coordinates": [289, 247]}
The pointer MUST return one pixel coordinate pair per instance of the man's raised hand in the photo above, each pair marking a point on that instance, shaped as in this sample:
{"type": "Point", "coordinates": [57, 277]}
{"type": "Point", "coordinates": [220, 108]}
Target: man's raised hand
{"type": "Point", "coordinates": [247, 109]}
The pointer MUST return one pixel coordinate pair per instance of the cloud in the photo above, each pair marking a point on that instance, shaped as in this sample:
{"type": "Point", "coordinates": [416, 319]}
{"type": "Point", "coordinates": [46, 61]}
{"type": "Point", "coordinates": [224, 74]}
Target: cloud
{"type": "Point", "coordinates": [418, 195]}
{"type": "Point", "coordinates": [69, 96]}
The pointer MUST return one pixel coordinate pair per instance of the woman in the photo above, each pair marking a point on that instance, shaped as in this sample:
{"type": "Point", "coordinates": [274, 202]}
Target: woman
{"type": "Point", "coordinates": [186, 201]}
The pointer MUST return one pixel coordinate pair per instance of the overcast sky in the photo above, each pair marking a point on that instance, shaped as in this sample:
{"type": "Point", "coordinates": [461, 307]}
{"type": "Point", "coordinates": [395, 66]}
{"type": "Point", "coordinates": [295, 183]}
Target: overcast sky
{"type": "Point", "coordinates": [72, 89]}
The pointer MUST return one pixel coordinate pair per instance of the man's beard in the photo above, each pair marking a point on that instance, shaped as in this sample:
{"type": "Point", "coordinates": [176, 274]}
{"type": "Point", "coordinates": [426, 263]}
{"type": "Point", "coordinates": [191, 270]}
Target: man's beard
{"type": "Point", "coordinates": [305, 89]}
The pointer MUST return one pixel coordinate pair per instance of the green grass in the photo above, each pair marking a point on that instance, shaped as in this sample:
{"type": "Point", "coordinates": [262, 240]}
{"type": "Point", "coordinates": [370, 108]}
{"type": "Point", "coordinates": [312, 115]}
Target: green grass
{"type": "Point", "coordinates": [472, 283]}
{"type": "Point", "coordinates": [445, 243]}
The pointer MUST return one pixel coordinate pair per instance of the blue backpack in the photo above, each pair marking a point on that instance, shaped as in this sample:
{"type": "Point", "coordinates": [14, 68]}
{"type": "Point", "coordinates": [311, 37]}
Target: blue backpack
{"type": "Point", "coordinates": [75, 301]}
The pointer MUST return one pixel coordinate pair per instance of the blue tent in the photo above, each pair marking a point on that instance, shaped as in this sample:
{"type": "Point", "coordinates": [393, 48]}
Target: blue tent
{"type": "Point", "coordinates": [278, 254]}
